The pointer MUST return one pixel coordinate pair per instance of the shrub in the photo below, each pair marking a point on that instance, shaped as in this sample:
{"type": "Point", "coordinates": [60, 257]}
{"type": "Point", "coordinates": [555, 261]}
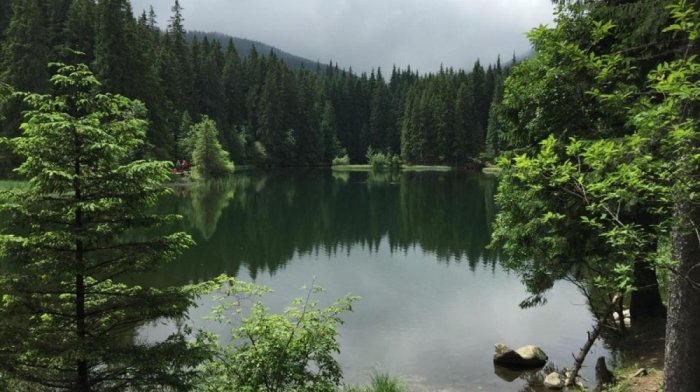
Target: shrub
{"type": "Point", "coordinates": [380, 161]}
{"type": "Point", "coordinates": [258, 153]}
{"type": "Point", "coordinates": [293, 351]}
{"type": "Point", "coordinates": [340, 161]}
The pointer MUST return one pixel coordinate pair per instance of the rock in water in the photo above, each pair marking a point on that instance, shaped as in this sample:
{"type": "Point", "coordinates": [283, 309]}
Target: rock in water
{"type": "Point", "coordinates": [553, 381]}
{"type": "Point", "coordinates": [533, 353]}
{"type": "Point", "coordinates": [527, 356]}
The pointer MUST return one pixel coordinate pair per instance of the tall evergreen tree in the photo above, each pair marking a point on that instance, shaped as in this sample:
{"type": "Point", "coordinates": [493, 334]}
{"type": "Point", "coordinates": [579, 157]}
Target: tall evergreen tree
{"type": "Point", "coordinates": [466, 125]}
{"type": "Point", "coordinates": [79, 32]}
{"type": "Point", "coordinates": [232, 84]}
{"type": "Point", "coordinates": [25, 50]}
{"type": "Point", "coordinates": [5, 12]}
{"type": "Point", "coordinates": [209, 159]}
{"type": "Point", "coordinates": [115, 54]}
{"type": "Point", "coordinates": [380, 114]}
{"type": "Point", "coordinates": [70, 323]}
{"type": "Point", "coordinates": [481, 103]}
{"type": "Point", "coordinates": [179, 61]}
{"type": "Point", "coordinates": [328, 127]}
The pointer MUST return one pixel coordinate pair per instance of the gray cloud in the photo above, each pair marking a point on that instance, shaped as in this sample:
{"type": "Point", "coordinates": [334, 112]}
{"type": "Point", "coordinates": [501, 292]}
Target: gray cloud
{"type": "Point", "coordinates": [370, 33]}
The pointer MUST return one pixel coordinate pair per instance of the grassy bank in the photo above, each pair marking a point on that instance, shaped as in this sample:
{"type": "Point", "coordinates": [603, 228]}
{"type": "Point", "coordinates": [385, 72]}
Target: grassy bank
{"type": "Point", "coordinates": [380, 382]}
{"type": "Point", "coordinates": [409, 168]}
{"type": "Point", "coordinates": [641, 360]}
{"type": "Point", "coordinates": [492, 170]}
{"type": "Point", "coordinates": [11, 184]}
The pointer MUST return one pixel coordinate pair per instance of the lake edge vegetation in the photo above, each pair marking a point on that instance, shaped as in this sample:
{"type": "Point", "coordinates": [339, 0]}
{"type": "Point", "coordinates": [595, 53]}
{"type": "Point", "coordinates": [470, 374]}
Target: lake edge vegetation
{"type": "Point", "coordinates": [600, 170]}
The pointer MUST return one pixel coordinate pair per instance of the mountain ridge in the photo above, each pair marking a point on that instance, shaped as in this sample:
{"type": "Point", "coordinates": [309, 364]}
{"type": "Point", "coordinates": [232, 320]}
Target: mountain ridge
{"type": "Point", "coordinates": [244, 46]}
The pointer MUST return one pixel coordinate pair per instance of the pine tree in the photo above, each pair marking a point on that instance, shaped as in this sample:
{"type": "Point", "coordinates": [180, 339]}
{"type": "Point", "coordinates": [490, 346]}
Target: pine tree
{"type": "Point", "coordinates": [380, 112]}
{"type": "Point", "coordinates": [25, 54]}
{"type": "Point", "coordinates": [5, 12]}
{"type": "Point", "coordinates": [116, 55]}
{"type": "Point", "coordinates": [79, 32]}
{"type": "Point", "coordinates": [212, 90]}
{"type": "Point", "coordinates": [492, 146]}
{"type": "Point", "coordinates": [70, 322]}
{"type": "Point", "coordinates": [328, 126]}
{"type": "Point", "coordinates": [25, 50]}
{"type": "Point", "coordinates": [481, 102]}
{"type": "Point", "coordinates": [232, 81]}
{"type": "Point", "coordinates": [150, 88]}
{"type": "Point", "coordinates": [466, 125]}
{"type": "Point", "coordinates": [179, 66]}
{"type": "Point", "coordinates": [208, 158]}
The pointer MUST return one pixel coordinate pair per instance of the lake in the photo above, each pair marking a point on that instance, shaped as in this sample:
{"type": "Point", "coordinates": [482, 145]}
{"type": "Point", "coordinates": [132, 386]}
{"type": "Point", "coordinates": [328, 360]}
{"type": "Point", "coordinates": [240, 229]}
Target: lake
{"type": "Point", "coordinates": [434, 300]}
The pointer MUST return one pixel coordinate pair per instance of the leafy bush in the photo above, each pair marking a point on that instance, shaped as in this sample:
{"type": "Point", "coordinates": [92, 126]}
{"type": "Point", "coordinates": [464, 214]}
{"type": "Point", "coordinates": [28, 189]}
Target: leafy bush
{"type": "Point", "coordinates": [270, 352]}
{"type": "Point", "coordinates": [340, 161]}
{"type": "Point", "coordinates": [380, 161]}
{"type": "Point", "coordinates": [258, 153]}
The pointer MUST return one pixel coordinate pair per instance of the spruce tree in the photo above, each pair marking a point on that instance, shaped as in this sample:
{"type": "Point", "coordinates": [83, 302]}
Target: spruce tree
{"type": "Point", "coordinates": [25, 50]}
{"type": "Point", "coordinates": [5, 11]}
{"type": "Point", "coordinates": [179, 61]}
{"type": "Point", "coordinates": [70, 240]}
{"type": "Point", "coordinates": [209, 159]}
{"type": "Point", "coordinates": [25, 53]}
{"type": "Point", "coordinates": [232, 84]}
{"type": "Point", "coordinates": [79, 32]}
{"type": "Point", "coordinates": [328, 127]}
{"type": "Point", "coordinates": [466, 125]}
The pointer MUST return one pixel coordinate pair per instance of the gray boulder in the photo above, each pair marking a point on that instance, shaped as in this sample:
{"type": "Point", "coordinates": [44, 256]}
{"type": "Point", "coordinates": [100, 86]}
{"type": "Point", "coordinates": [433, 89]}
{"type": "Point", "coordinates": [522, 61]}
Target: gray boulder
{"type": "Point", "coordinates": [524, 357]}
{"type": "Point", "coordinates": [553, 381]}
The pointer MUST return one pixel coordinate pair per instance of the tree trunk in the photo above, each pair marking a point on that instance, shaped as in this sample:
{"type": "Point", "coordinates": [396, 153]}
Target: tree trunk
{"type": "Point", "coordinates": [645, 300]}
{"type": "Point", "coordinates": [682, 362]}
{"type": "Point", "coordinates": [82, 380]}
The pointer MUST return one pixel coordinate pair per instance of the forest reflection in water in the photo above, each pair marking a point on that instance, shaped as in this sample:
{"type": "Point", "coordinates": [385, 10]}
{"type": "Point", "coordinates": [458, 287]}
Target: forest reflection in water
{"type": "Point", "coordinates": [261, 219]}
{"type": "Point", "coordinates": [413, 246]}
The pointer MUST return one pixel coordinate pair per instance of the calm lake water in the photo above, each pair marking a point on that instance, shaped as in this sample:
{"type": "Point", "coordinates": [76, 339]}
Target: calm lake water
{"type": "Point", "coordinates": [412, 246]}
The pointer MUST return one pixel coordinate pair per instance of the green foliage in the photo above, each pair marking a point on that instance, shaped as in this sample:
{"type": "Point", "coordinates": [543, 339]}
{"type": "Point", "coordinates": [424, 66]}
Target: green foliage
{"type": "Point", "coordinates": [185, 138]}
{"type": "Point", "coordinates": [25, 50]}
{"type": "Point", "coordinates": [208, 158]}
{"type": "Point", "coordinates": [383, 162]}
{"type": "Point", "coordinates": [258, 153]}
{"type": "Point", "coordinates": [68, 240]}
{"type": "Point", "coordinates": [380, 382]}
{"type": "Point", "coordinates": [587, 193]}
{"type": "Point", "coordinates": [342, 160]}
{"type": "Point", "coordinates": [269, 352]}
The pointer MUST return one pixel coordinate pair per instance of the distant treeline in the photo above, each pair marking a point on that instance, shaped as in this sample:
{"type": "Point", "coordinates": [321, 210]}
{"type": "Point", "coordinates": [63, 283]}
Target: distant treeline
{"type": "Point", "coordinates": [268, 111]}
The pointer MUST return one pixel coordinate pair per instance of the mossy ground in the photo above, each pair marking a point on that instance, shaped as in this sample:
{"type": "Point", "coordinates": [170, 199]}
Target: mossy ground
{"type": "Point", "coordinates": [643, 348]}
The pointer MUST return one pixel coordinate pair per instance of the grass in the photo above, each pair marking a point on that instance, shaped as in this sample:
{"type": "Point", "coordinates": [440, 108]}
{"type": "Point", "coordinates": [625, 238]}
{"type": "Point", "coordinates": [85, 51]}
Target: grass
{"type": "Point", "coordinates": [380, 382]}
{"type": "Point", "coordinates": [419, 168]}
{"type": "Point", "coordinates": [358, 168]}
{"type": "Point", "coordinates": [494, 170]}
{"type": "Point", "coordinates": [651, 382]}
{"type": "Point", "coordinates": [412, 168]}
{"type": "Point", "coordinates": [11, 184]}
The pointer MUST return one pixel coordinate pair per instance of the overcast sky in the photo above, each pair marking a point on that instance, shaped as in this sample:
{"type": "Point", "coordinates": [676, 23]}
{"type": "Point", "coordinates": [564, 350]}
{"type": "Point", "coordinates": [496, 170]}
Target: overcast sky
{"type": "Point", "coordinates": [368, 33]}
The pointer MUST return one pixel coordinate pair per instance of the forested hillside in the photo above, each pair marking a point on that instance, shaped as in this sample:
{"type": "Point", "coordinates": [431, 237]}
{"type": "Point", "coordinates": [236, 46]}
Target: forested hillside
{"type": "Point", "coordinates": [245, 46]}
{"type": "Point", "coordinates": [268, 112]}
